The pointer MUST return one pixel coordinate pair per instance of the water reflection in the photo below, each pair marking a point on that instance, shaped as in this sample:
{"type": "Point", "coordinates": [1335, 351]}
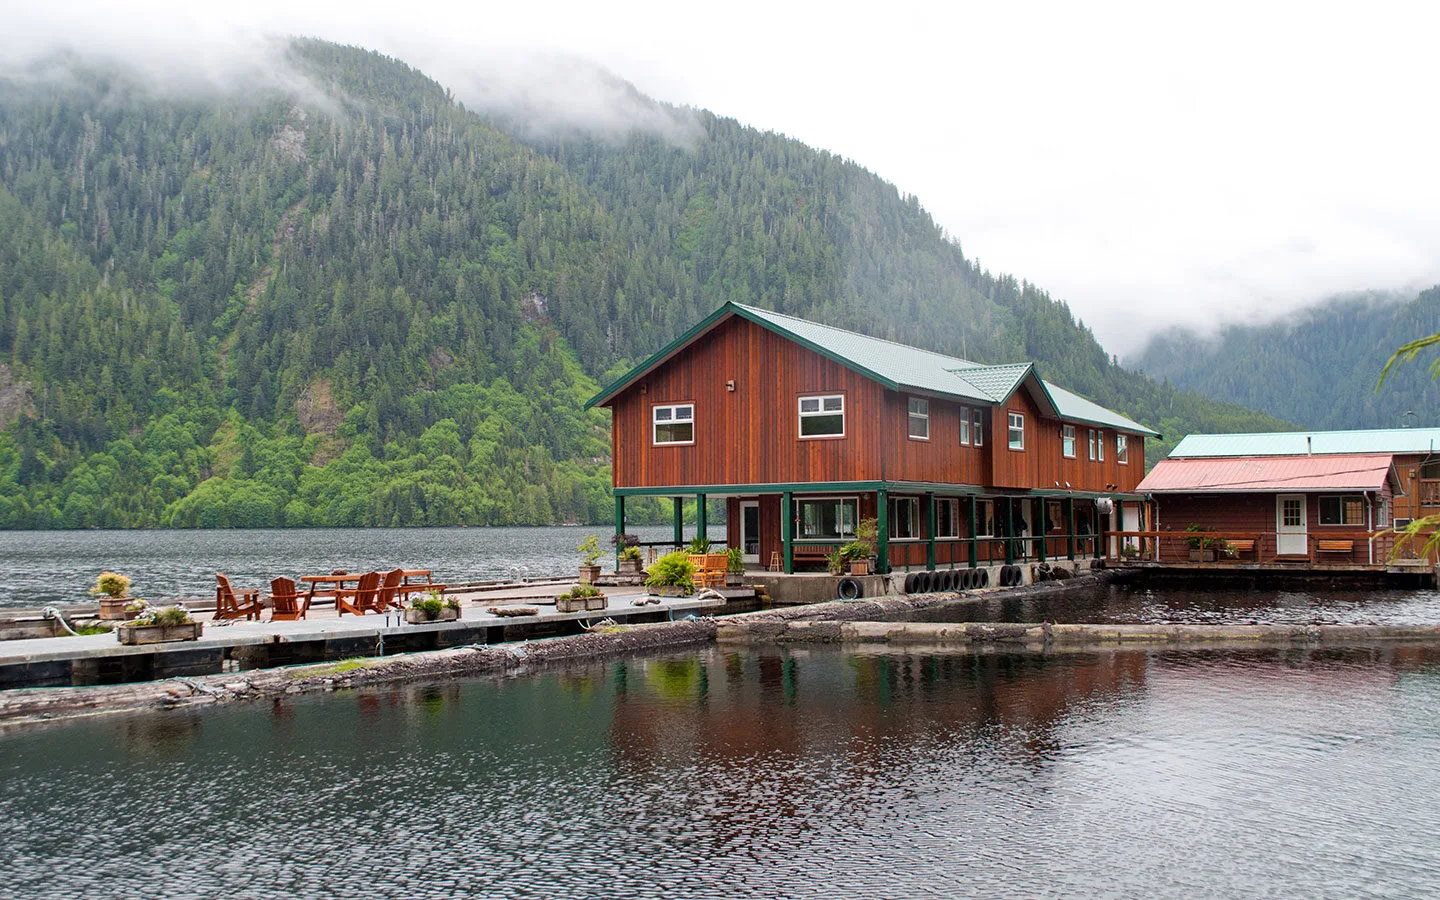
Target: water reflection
{"type": "Point", "coordinates": [740, 774]}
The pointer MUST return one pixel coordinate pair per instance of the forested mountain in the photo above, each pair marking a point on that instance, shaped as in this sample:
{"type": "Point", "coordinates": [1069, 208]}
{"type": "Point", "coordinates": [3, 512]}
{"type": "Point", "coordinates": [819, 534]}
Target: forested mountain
{"type": "Point", "coordinates": [1318, 367]}
{"type": "Point", "coordinates": [361, 304]}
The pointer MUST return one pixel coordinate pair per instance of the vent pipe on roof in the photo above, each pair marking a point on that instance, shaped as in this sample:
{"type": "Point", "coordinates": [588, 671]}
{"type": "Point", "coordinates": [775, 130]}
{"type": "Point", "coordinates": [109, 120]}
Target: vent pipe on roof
{"type": "Point", "coordinates": [1309, 450]}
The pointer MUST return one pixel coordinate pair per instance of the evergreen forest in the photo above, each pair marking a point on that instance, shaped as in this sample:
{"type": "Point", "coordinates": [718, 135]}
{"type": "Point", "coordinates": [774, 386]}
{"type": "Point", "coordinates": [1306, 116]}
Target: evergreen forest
{"type": "Point", "coordinates": [361, 304]}
{"type": "Point", "coordinates": [1319, 368]}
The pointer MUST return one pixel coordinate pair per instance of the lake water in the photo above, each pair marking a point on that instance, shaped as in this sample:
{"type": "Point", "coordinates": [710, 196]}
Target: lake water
{"type": "Point", "coordinates": [761, 774]}
{"type": "Point", "coordinates": [40, 567]}
{"type": "Point", "coordinates": [1135, 603]}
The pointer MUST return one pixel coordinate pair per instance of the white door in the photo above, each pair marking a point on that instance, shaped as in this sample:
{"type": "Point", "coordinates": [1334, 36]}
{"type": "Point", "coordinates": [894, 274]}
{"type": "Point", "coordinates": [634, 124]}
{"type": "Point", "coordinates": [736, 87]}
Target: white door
{"type": "Point", "coordinates": [750, 530]}
{"type": "Point", "coordinates": [1290, 532]}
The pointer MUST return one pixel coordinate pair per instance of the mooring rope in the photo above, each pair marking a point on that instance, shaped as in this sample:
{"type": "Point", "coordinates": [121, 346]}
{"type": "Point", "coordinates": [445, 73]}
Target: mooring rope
{"type": "Point", "coordinates": [51, 612]}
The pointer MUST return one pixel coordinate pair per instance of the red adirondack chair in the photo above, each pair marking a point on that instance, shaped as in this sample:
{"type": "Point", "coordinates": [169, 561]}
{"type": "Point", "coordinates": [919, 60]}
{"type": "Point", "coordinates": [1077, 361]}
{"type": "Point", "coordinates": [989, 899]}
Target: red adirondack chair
{"type": "Point", "coordinates": [287, 604]}
{"type": "Point", "coordinates": [361, 599]}
{"type": "Point", "coordinates": [230, 605]}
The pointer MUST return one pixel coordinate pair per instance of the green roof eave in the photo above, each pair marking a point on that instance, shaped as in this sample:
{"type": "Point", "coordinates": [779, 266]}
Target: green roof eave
{"type": "Point", "coordinates": [704, 325]}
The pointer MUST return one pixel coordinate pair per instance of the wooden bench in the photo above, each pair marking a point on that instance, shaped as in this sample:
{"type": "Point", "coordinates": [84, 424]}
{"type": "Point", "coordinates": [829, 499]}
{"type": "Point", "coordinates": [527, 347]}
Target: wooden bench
{"type": "Point", "coordinates": [1244, 545]}
{"type": "Point", "coordinates": [1335, 546]}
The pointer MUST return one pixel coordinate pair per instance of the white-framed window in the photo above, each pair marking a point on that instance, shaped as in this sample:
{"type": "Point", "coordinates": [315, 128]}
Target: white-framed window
{"type": "Point", "coordinates": [673, 424]}
{"type": "Point", "coordinates": [977, 428]}
{"type": "Point", "coordinates": [947, 518]}
{"type": "Point", "coordinates": [1100, 444]}
{"type": "Point", "coordinates": [984, 518]}
{"type": "Point", "coordinates": [1347, 510]}
{"type": "Point", "coordinates": [822, 415]}
{"type": "Point", "coordinates": [964, 425]}
{"type": "Point", "coordinates": [1017, 431]}
{"type": "Point", "coordinates": [1092, 444]}
{"type": "Point", "coordinates": [904, 518]}
{"type": "Point", "coordinates": [919, 418]}
{"type": "Point", "coordinates": [1067, 441]}
{"type": "Point", "coordinates": [822, 518]}
{"type": "Point", "coordinates": [1122, 449]}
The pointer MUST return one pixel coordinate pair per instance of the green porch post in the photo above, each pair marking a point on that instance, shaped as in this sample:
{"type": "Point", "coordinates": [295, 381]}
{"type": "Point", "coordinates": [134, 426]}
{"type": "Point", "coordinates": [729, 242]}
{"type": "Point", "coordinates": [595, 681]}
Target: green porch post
{"type": "Point", "coordinates": [882, 527]}
{"type": "Point", "coordinates": [974, 542]}
{"type": "Point", "coordinates": [619, 525]}
{"type": "Point", "coordinates": [1009, 531]}
{"type": "Point", "coordinates": [701, 531]}
{"type": "Point", "coordinates": [679, 503]}
{"type": "Point", "coordinates": [1070, 528]}
{"type": "Point", "coordinates": [930, 531]}
{"type": "Point", "coordinates": [787, 530]}
{"type": "Point", "coordinates": [1040, 524]}
{"type": "Point", "coordinates": [1099, 530]}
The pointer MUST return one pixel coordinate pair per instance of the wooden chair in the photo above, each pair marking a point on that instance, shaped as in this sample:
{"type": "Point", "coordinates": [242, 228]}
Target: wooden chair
{"type": "Point", "coordinates": [287, 604]}
{"type": "Point", "coordinates": [230, 606]}
{"type": "Point", "coordinates": [362, 598]}
{"type": "Point", "coordinates": [388, 595]}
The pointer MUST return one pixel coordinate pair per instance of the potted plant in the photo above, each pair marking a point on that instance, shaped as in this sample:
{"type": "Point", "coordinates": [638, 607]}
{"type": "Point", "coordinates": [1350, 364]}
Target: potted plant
{"type": "Point", "coordinates": [734, 567]}
{"type": "Point", "coordinates": [860, 551]}
{"type": "Point", "coordinates": [699, 545]}
{"type": "Point", "coordinates": [629, 561]}
{"type": "Point", "coordinates": [627, 555]}
{"type": "Point", "coordinates": [590, 558]}
{"type": "Point", "coordinates": [433, 608]}
{"type": "Point", "coordinates": [857, 558]}
{"type": "Point", "coordinates": [835, 561]}
{"type": "Point", "coordinates": [158, 624]}
{"type": "Point", "coordinates": [672, 575]}
{"type": "Point", "coordinates": [1201, 548]}
{"type": "Point", "coordinates": [113, 590]}
{"type": "Point", "coordinates": [581, 597]}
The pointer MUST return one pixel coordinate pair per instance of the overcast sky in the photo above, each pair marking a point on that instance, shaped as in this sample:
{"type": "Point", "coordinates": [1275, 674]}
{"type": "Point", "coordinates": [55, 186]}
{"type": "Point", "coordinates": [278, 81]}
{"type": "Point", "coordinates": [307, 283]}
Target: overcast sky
{"type": "Point", "coordinates": [1149, 163]}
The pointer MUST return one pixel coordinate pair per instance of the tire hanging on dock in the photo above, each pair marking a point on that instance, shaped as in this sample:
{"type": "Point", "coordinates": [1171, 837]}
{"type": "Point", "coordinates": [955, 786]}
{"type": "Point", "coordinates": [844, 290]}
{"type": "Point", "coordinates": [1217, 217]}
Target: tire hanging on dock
{"type": "Point", "coordinates": [910, 583]}
{"type": "Point", "coordinates": [984, 578]}
{"type": "Point", "coordinates": [848, 589]}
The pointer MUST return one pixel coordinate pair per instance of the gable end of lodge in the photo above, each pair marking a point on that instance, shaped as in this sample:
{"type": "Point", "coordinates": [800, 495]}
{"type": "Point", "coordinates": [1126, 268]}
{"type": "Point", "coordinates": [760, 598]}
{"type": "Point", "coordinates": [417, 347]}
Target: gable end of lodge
{"type": "Point", "coordinates": [807, 429]}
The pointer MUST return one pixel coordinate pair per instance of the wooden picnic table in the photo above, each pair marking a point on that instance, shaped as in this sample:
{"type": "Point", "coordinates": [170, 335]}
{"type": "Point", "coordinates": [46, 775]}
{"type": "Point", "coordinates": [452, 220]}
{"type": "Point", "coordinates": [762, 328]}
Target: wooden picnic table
{"type": "Point", "coordinates": [329, 584]}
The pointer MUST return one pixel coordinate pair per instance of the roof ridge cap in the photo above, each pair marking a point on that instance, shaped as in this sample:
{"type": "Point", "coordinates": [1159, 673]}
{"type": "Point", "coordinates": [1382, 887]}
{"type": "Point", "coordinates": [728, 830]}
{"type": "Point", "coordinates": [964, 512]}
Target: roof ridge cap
{"type": "Point", "coordinates": [869, 337]}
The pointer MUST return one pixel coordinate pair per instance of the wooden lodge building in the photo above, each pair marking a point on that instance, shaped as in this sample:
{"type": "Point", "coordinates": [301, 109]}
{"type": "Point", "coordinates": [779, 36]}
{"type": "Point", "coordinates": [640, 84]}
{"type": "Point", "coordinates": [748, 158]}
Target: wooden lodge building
{"type": "Point", "coordinates": [806, 429]}
{"type": "Point", "coordinates": [1302, 497]}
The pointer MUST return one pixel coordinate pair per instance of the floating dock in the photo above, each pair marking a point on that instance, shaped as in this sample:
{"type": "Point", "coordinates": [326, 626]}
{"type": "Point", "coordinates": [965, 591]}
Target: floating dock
{"type": "Point", "coordinates": [242, 645]}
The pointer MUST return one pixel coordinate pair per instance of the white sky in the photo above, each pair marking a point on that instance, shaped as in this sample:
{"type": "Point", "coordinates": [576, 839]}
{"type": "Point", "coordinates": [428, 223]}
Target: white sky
{"type": "Point", "coordinates": [1148, 163]}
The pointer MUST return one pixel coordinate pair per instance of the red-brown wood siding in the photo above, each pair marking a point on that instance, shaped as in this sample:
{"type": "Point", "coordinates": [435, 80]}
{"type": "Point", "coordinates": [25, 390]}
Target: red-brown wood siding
{"type": "Point", "coordinates": [1255, 513]}
{"type": "Point", "coordinates": [751, 435]}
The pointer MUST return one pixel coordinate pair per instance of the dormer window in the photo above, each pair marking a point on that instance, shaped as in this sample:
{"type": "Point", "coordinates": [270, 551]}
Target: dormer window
{"type": "Point", "coordinates": [1017, 431]}
{"type": "Point", "coordinates": [1067, 441]}
{"type": "Point", "coordinates": [1122, 449]}
{"type": "Point", "coordinates": [674, 424]}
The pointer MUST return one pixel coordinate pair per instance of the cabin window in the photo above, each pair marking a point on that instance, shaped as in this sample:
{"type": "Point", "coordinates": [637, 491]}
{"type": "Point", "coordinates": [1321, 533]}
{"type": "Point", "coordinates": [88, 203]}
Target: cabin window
{"type": "Point", "coordinates": [824, 518]}
{"type": "Point", "coordinates": [947, 518]}
{"type": "Point", "coordinates": [984, 518]}
{"type": "Point", "coordinates": [1100, 444]}
{"type": "Point", "coordinates": [1017, 431]}
{"type": "Point", "coordinates": [1342, 511]}
{"type": "Point", "coordinates": [1122, 449]}
{"type": "Point", "coordinates": [1093, 441]}
{"type": "Point", "coordinates": [919, 419]}
{"type": "Point", "coordinates": [977, 429]}
{"type": "Point", "coordinates": [674, 424]}
{"type": "Point", "coordinates": [822, 416]}
{"type": "Point", "coordinates": [1067, 441]}
{"type": "Point", "coordinates": [964, 424]}
{"type": "Point", "coordinates": [904, 518]}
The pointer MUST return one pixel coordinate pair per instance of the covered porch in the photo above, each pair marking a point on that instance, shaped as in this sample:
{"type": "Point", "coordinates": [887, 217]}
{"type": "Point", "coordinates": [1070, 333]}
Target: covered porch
{"type": "Point", "coordinates": [794, 527]}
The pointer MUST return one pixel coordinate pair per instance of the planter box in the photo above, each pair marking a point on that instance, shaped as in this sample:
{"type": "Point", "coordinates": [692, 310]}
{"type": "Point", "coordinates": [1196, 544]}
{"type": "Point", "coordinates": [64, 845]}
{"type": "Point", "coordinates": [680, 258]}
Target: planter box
{"type": "Point", "coordinates": [418, 617]}
{"type": "Point", "coordinates": [734, 579]}
{"type": "Point", "coordinates": [628, 567]}
{"type": "Point", "coordinates": [158, 634]}
{"type": "Point", "coordinates": [114, 607]}
{"type": "Point", "coordinates": [580, 604]}
{"type": "Point", "coordinates": [588, 574]}
{"type": "Point", "coordinates": [1202, 555]}
{"type": "Point", "coordinates": [859, 567]}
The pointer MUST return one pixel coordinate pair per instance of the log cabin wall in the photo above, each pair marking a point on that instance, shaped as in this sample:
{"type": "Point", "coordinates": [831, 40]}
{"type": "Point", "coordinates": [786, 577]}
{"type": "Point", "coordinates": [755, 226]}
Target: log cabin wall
{"type": "Point", "coordinates": [749, 435]}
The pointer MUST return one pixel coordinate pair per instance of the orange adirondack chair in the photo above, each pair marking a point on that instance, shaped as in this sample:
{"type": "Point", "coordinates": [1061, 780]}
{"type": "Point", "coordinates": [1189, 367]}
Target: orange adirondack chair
{"type": "Point", "coordinates": [286, 604]}
{"type": "Point", "coordinates": [361, 598]}
{"type": "Point", "coordinates": [387, 597]}
{"type": "Point", "coordinates": [229, 605]}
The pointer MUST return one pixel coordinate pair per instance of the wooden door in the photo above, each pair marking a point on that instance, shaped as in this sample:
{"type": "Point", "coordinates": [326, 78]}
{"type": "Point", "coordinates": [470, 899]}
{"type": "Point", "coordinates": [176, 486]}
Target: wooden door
{"type": "Point", "coordinates": [1291, 533]}
{"type": "Point", "coordinates": [750, 530]}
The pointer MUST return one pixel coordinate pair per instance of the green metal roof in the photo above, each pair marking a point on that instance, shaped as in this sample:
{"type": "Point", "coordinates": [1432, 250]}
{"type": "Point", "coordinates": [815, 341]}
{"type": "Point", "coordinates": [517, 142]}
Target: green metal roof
{"type": "Point", "coordinates": [897, 366]}
{"type": "Point", "coordinates": [1301, 443]}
